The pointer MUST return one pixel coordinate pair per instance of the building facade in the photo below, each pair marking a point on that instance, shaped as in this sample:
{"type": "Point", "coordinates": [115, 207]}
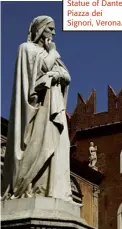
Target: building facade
{"type": "Point", "coordinates": [105, 131]}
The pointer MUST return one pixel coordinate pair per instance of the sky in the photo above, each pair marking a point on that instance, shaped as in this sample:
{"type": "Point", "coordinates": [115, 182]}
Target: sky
{"type": "Point", "coordinates": [94, 59]}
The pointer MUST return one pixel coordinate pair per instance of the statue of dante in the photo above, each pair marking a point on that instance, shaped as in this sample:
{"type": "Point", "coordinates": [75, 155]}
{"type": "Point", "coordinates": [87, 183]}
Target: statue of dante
{"type": "Point", "coordinates": [37, 154]}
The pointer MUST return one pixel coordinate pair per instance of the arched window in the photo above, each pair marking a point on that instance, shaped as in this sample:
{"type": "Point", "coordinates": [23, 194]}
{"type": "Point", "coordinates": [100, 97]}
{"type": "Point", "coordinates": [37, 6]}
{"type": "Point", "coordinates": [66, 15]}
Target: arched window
{"type": "Point", "coordinates": [76, 191]}
{"type": "Point", "coordinates": [121, 161]}
{"type": "Point", "coordinates": [119, 217]}
{"type": "Point", "coordinates": [2, 156]}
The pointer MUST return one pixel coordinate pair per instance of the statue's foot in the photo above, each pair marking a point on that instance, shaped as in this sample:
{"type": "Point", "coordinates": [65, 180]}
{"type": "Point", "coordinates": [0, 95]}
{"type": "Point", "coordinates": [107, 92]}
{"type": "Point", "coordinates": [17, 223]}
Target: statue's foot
{"type": "Point", "coordinates": [13, 197]}
{"type": "Point", "coordinates": [28, 195]}
{"type": "Point", "coordinates": [71, 201]}
{"type": "Point", "coordinates": [75, 203]}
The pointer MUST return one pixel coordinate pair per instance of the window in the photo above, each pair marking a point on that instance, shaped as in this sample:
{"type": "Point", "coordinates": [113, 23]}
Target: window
{"type": "Point", "coordinates": [119, 215]}
{"type": "Point", "coordinates": [121, 161]}
{"type": "Point", "coordinates": [76, 192]}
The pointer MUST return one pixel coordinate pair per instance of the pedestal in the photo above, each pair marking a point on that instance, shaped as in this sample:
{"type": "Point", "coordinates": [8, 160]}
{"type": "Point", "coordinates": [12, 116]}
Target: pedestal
{"type": "Point", "coordinates": [41, 213]}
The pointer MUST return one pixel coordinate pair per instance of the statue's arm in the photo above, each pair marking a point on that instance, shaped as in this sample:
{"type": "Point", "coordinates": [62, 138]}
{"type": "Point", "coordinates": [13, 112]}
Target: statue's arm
{"type": "Point", "coordinates": [50, 59]}
{"type": "Point", "coordinates": [66, 77]}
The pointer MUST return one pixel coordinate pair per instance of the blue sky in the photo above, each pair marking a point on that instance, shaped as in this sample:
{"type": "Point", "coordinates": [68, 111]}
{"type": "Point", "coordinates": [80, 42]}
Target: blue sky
{"type": "Point", "coordinates": [94, 59]}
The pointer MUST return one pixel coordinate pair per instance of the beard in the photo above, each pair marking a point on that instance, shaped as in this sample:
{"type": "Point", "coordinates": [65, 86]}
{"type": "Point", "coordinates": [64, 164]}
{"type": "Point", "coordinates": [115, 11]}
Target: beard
{"type": "Point", "coordinates": [47, 35]}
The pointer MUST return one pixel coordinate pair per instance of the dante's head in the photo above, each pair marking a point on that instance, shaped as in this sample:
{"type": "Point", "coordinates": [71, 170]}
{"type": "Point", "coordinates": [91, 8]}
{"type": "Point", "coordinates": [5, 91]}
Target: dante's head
{"type": "Point", "coordinates": [41, 27]}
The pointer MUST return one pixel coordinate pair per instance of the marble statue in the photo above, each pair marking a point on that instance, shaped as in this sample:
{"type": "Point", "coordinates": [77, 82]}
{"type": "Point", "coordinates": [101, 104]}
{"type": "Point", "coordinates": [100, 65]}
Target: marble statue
{"type": "Point", "coordinates": [37, 153]}
{"type": "Point", "coordinates": [93, 155]}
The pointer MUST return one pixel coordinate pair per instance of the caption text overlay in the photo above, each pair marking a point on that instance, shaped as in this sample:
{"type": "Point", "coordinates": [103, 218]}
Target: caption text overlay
{"type": "Point", "coordinates": [98, 15]}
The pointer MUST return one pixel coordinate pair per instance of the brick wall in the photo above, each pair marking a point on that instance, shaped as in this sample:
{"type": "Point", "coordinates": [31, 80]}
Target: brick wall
{"type": "Point", "coordinates": [110, 196]}
{"type": "Point", "coordinates": [85, 116]}
{"type": "Point", "coordinates": [105, 130]}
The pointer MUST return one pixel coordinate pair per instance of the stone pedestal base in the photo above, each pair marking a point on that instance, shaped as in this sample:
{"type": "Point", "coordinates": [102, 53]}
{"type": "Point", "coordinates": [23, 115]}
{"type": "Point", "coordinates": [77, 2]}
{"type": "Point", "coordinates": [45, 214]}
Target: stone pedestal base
{"type": "Point", "coordinates": [41, 213]}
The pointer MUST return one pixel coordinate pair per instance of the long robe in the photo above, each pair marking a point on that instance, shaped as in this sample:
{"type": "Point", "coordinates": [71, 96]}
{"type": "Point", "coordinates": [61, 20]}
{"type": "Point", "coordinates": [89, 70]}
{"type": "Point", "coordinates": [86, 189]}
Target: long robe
{"type": "Point", "coordinates": [38, 144]}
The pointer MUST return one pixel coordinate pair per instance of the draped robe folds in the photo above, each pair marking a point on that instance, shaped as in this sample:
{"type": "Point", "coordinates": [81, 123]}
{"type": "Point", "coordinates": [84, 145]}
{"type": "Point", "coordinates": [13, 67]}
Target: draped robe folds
{"type": "Point", "coordinates": [37, 133]}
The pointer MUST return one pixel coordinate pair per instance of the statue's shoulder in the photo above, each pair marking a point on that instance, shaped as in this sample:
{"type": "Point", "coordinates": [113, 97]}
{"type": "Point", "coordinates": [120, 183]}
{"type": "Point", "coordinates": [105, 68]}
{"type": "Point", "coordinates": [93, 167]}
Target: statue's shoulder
{"type": "Point", "coordinates": [26, 46]}
{"type": "Point", "coordinates": [30, 47]}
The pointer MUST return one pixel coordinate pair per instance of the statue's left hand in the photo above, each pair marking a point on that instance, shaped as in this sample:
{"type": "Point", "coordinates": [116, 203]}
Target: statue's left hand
{"type": "Point", "coordinates": [55, 77]}
{"type": "Point", "coordinates": [64, 81]}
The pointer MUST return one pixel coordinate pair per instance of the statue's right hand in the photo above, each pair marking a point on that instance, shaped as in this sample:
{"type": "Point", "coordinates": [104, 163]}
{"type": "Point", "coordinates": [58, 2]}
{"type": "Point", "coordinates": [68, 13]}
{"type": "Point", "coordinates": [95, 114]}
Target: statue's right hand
{"type": "Point", "coordinates": [49, 45]}
{"type": "Point", "coordinates": [52, 46]}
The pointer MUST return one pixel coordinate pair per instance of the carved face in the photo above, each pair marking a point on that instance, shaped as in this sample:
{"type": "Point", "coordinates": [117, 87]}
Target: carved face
{"type": "Point", "coordinates": [49, 31]}
{"type": "Point", "coordinates": [91, 143]}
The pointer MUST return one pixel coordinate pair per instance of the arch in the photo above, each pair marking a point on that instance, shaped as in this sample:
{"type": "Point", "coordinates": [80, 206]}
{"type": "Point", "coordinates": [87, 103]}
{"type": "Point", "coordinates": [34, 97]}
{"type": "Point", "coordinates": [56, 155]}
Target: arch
{"type": "Point", "coordinates": [76, 191]}
{"type": "Point", "coordinates": [2, 156]}
{"type": "Point", "coordinates": [121, 161]}
{"type": "Point", "coordinates": [119, 217]}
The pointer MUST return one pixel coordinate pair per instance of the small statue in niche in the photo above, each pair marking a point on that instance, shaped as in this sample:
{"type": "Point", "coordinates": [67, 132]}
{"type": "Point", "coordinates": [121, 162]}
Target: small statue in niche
{"type": "Point", "coordinates": [93, 156]}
